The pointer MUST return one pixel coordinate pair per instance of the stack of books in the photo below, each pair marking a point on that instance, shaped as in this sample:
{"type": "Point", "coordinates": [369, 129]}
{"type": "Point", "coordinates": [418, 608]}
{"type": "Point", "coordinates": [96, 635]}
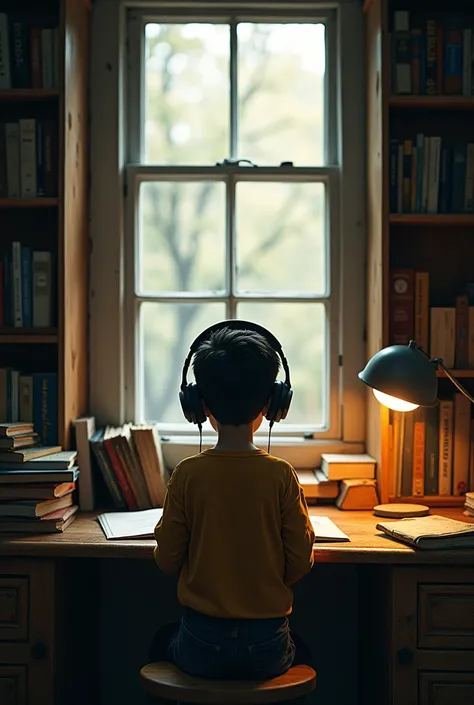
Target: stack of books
{"type": "Point", "coordinates": [36, 482]}
{"type": "Point", "coordinates": [344, 479]}
{"type": "Point", "coordinates": [469, 504]}
{"type": "Point", "coordinates": [131, 462]}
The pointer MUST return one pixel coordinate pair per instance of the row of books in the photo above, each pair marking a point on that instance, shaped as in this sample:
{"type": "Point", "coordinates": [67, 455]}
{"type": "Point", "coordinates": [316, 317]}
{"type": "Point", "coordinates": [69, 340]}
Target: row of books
{"type": "Point", "coordinates": [26, 288]}
{"type": "Point", "coordinates": [433, 449]}
{"type": "Point", "coordinates": [29, 55]}
{"type": "Point", "coordinates": [28, 158]}
{"type": "Point", "coordinates": [431, 55]}
{"type": "Point", "coordinates": [37, 482]}
{"type": "Point", "coordinates": [446, 332]}
{"type": "Point", "coordinates": [131, 462]}
{"type": "Point", "coordinates": [31, 398]}
{"type": "Point", "coordinates": [427, 177]}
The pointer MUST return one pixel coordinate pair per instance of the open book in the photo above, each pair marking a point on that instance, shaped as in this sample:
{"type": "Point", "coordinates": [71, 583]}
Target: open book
{"type": "Point", "coordinates": [141, 525]}
{"type": "Point", "coordinates": [430, 532]}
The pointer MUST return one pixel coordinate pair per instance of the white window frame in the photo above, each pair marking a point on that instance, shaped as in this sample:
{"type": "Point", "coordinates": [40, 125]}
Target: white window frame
{"type": "Point", "coordinates": [112, 372]}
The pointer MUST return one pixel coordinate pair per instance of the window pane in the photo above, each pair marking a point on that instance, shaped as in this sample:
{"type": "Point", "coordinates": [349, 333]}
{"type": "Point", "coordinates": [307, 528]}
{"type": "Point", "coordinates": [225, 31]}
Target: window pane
{"type": "Point", "coordinates": [166, 333]}
{"type": "Point", "coordinates": [281, 92]}
{"type": "Point", "coordinates": [186, 93]}
{"type": "Point", "coordinates": [281, 237]}
{"type": "Point", "coordinates": [301, 330]}
{"type": "Point", "coordinates": [182, 234]}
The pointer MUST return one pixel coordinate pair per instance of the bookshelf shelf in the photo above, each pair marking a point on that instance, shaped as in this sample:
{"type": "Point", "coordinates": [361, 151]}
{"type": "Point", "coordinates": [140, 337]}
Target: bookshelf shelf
{"type": "Point", "coordinates": [431, 501]}
{"type": "Point", "coordinates": [28, 202]}
{"type": "Point", "coordinates": [453, 220]}
{"type": "Point", "coordinates": [29, 94]}
{"type": "Point", "coordinates": [28, 335]}
{"type": "Point", "coordinates": [445, 102]}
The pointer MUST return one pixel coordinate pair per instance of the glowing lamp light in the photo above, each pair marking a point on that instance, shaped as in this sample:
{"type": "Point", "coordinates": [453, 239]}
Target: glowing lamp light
{"type": "Point", "coordinates": [393, 402]}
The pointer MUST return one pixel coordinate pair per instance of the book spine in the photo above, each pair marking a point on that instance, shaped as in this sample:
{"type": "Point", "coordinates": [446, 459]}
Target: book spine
{"type": "Point", "coordinates": [393, 176]}
{"type": "Point", "coordinates": [125, 488]}
{"type": "Point", "coordinates": [402, 54]}
{"type": "Point", "coordinates": [56, 57]}
{"type": "Point", "coordinates": [12, 138]}
{"type": "Point", "coordinates": [26, 398]}
{"type": "Point", "coordinates": [414, 170]}
{"type": "Point", "coordinates": [443, 334]}
{"type": "Point", "coordinates": [26, 286]}
{"type": "Point", "coordinates": [445, 447]}
{"type": "Point", "coordinates": [419, 172]}
{"type": "Point", "coordinates": [401, 306]}
{"type": "Point", "coordinates": [469, 186]}
{"type": "Point", "coordinates": [107, 473]}
{"type": "Point", "coordinates": [50, 158]}
{"type": "Point", "coordinates": [47, 56]}
{"type": "Point", "coordinates": [462, 335]}
{"type": "Point", "coordinates": [7, 290]}
{"type": "Point", "coordinates": [422, 285]}
{"type": "Point", "coordinates": [462, 429]}
{"type": "Point", "coordinates": [426, 173]}
{"type": "Point", "coordinates": [467, 62]}
{"type": "Point", "coordinates": [9, 395]}
{"type": "Point", "coordinates": [39, 159]}
{"type": "Point", "coordinates": [445, 181]}
{"type": "Point", "coordinates": [42, 284]}
{"type": "Point", "coordinates": [459, 178]}
{"type": "Point", "coordinates": [407, 159]}
{"type": "Point", "coordinates": [3, 162]}
{"type": "Point", "coordinates": [28, 158]}
{"type": "Point", "coordinates": [45, 407]}
{"type": "Point", "coordinates": [20, 61]}
{"type": "Point", "coordinates": [17, 285]}
{"type": "Point", "coordinates": [416, 39]}
{"type": "Point", "coordinates": [5, 68]}
{"type": "Point", "coordinates": [36, 66]}
{"type": "Point", "coordinates": [15, 395]}
{"type": "Point", "coordinates": [407, 456]}
{"type": "Point", "coordinates": [453, 57]}
{"type": "Point", "coordinates": [433, 178]}
{"type": "Point", "coordinates": [431, 87]}
{"type": "Point", "coordinates": [431, 450]}
{"type": "Point", "coordinates": [400, 164]}
{"type": "Point", "coordinates": [419, 453]}
{"type": "Point", "coordinates": [439, 58]}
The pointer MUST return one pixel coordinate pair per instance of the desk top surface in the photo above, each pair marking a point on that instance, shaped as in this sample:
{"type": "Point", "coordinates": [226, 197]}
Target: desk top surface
{"type": "Point", "coordinates": [84, 539]}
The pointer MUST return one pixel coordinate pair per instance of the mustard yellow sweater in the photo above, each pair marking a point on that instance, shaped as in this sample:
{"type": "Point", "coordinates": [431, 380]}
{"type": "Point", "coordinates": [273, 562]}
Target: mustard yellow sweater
{"type": "Point", "coordinates": [235, 528]}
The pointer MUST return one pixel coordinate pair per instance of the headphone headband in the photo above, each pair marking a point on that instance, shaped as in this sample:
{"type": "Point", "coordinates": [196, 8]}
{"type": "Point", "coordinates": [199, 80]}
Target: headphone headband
{"type": "Point", "coordinates": [236, 324]}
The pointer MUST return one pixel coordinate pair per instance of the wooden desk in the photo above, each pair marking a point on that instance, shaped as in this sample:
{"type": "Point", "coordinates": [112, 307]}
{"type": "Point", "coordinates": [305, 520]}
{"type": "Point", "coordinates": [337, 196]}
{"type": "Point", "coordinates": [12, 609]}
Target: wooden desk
{"type": "Point", "coordinates": [416, 613]}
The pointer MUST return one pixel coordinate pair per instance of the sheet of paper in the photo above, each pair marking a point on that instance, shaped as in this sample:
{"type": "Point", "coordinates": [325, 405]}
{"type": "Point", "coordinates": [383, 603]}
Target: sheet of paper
{"type": "Point", "coordinates": [326, 530]}
{"type": "Point", "coordinates": [128, 525]}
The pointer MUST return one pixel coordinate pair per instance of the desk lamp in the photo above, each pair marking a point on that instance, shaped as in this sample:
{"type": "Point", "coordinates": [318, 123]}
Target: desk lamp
{"type": "Point", "coordinates": [403, 377]}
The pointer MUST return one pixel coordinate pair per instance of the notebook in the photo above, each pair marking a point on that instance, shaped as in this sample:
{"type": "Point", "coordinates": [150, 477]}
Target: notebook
{"type": "Point", "coordinates": [141, 525]}
{"type": "Point", "coordinates": [435, 532]}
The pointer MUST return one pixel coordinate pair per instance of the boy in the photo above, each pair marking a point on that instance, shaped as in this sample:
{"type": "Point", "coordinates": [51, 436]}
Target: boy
{"type": "Point", "coordinates": [235, 525]}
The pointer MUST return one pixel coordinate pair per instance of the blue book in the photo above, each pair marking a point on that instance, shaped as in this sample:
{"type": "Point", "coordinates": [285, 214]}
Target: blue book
{"type": "Point", "coordinates": [459, 178]}
{"type": "Point", "coordinates": [7, 290]}
{"type": "Point", "coordinates": [393, 176]}
{"type": "Point", "coordinates": [445, 180]}
{"type": "Point", "coordinates": [26, 287]}
{"type": "Point", "coordinates": [45, 407]}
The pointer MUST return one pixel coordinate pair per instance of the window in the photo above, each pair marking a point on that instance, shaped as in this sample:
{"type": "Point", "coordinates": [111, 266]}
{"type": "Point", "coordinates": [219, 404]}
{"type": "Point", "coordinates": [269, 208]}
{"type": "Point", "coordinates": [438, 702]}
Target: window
{"type": "Point", "coordinates": [227, 174]}
{"type": "Point", "coordinates": [231, 199]}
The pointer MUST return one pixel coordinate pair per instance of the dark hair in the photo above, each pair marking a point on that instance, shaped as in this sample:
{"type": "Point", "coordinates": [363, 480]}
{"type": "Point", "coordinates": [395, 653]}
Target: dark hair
{"type": "Point", "coordinates": [235, 371]}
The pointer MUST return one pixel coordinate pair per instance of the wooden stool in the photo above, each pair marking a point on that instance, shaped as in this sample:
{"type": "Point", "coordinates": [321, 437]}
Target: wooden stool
{"type": "Point", "coordinates": [165, 680]}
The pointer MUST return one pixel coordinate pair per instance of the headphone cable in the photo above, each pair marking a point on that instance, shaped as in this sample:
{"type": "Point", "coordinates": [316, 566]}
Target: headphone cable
{"type": "Point", "coordinates": [269, 435]}
{"type": "Point", "coordinates": [200, 437]}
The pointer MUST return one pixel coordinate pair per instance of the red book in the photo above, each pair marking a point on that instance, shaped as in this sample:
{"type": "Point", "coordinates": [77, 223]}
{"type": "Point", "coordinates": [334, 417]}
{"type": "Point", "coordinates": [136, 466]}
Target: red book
{"type": "Point", "coordinates": [35, 51]}
{"type": "Point", "coordinates": [125, 488]}
{"type": "Point", "coordinates": [402, 306]}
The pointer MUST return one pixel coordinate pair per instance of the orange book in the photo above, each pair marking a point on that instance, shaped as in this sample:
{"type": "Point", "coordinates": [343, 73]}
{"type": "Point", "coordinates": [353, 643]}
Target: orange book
{"type": "Point", "coordinates": [419, 454]}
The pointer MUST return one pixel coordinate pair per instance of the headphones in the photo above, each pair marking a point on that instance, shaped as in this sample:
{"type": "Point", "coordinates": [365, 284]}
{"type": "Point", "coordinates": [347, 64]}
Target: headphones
{"type": "Point", "coordinates": [281, 395]}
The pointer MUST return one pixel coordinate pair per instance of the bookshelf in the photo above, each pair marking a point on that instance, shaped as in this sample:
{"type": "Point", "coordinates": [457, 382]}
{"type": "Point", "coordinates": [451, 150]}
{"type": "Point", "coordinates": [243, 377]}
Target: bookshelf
{"type": "Point", "coordinates": [440, 241]}
{"type": "Point", "coordinates": [50, 216]}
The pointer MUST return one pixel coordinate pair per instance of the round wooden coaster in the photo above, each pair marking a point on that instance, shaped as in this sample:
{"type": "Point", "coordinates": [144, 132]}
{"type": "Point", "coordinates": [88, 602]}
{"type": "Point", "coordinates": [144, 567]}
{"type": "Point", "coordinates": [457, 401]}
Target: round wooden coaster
{"type": "Point", "coordinates": [400, 511]}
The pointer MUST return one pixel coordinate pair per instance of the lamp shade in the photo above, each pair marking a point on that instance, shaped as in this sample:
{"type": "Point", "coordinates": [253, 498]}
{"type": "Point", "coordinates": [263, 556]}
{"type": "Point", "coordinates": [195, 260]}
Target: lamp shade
{"type": "Point", "coordinates": [404, 372]}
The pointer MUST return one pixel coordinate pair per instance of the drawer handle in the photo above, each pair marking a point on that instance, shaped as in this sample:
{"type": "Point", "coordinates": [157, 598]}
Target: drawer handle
{"type": "Point", "coordinates": [38, 651]}
{"type": "Point", "coordinates": [405, 656]}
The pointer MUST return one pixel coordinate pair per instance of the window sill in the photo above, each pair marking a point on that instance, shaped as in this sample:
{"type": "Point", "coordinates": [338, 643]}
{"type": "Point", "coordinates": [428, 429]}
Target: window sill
{"type": "Point", "coordinates": [301, 453]}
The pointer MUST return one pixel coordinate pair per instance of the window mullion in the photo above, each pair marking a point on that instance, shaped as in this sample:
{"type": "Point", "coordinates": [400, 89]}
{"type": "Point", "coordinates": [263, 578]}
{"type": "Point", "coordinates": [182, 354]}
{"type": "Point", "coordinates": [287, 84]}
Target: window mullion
{"type": "Point", "coordinates": [233, 89]}
{"type": "Point", "coordinates": [230, 242]}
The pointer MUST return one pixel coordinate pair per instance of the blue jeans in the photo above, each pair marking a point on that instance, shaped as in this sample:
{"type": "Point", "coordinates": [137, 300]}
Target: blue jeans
{"type": "Point", "coordinates": [208, 647]}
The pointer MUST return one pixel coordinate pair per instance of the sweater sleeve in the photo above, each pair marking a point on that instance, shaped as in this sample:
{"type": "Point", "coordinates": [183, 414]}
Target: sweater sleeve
{"type": "Point", "coordinates": [297, 531]}
{"type": "Point", "coordinates": [171, 533]}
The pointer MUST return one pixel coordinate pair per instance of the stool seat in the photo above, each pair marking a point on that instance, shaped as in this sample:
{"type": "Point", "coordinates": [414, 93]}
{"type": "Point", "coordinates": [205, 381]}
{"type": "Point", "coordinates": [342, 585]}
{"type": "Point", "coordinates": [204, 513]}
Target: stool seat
{"type": "Point", "coordinates": [165, 680]}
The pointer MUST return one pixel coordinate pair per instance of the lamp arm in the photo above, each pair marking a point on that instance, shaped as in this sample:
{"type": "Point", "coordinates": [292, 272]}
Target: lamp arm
{"type": "Point", "coordinates": [440, 364]}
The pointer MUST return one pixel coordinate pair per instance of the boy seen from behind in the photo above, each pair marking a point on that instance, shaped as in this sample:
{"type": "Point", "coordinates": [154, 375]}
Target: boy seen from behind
{"type": "Point", "coordinates": [235, 528]}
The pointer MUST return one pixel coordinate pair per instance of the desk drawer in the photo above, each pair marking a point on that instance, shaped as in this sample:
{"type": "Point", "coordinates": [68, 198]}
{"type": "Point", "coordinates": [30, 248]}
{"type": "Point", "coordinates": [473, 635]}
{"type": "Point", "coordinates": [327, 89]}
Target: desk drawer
{"type": "Point", "coordinates": [445, 688]}
{"type": "Point", "coordinates": [14, 599]}
{"type": "Point", "coordinates": [446, 616]}
{"type": "Point", "coordinates": [13, 685]}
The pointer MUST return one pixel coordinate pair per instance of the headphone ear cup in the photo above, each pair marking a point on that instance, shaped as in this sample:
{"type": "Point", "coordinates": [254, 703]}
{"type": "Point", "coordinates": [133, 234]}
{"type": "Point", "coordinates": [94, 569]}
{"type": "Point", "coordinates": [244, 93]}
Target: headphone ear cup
{"type": "Point", "coordinates": [286, 397]}
{"type": "Point", "coordinates": [274, 403]}
{"type": "Point", "coordinates": [191, 404]}
{"type": "Point", "coordinates": [279, 403]}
